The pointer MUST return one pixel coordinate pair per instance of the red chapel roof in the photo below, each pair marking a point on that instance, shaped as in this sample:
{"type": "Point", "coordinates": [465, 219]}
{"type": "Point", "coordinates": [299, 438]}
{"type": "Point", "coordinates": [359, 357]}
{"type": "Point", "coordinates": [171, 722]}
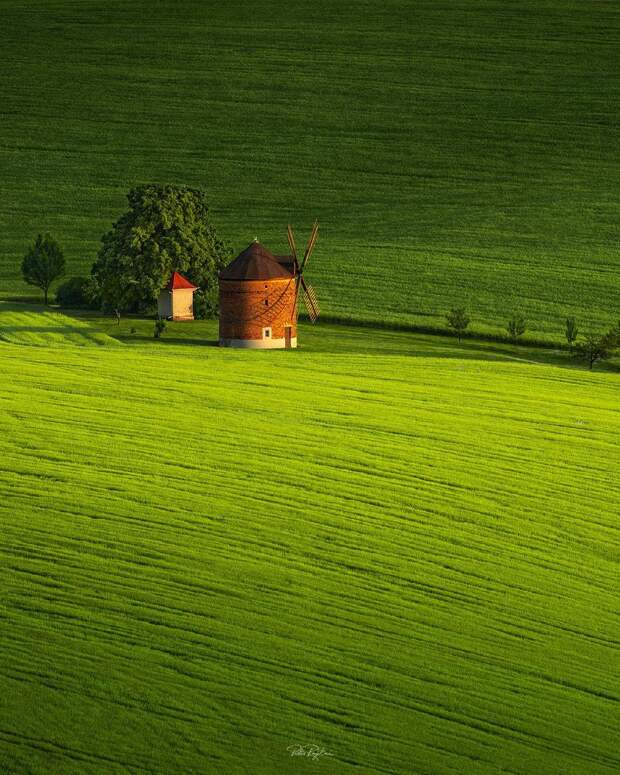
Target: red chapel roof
{"type": "Point", "coordinates": [178, 281]}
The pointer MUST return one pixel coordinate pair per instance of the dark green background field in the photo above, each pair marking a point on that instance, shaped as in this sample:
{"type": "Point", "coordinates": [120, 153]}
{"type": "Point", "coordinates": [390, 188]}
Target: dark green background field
{"type": "Point", "coordinates": [454, 152]}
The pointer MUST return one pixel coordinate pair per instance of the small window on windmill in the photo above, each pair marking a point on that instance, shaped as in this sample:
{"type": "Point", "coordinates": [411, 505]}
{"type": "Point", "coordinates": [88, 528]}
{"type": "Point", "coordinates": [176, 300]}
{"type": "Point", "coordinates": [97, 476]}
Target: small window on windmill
{"type": "Point", "coordinates": [266, 333]}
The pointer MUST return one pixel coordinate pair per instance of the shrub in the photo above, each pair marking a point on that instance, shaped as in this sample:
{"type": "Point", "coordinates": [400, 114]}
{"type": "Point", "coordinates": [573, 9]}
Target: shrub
{"type": "Point", "coordinates": [77, 293]}
{"type": "Point", "coordinates": [516, 326]}
{"type": "Point", "coordinates": [160, 327]}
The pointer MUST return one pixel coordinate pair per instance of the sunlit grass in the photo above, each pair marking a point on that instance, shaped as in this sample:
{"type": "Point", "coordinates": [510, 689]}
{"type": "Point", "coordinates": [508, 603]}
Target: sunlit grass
{"type": "Point", "coordinates": [388, 545]}
{"type": "Point", "coordinates": [31, 325]}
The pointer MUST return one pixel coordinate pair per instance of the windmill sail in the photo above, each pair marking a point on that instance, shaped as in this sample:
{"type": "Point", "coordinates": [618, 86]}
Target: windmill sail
{"type": "Point", "coordinates": [292, 246]}
{"type": "Point", "coordinates": [310, 247]}
{"type": "Point", "coordinates": [310, 300]}
{"type": "Point", "coordinates": [307, 291]}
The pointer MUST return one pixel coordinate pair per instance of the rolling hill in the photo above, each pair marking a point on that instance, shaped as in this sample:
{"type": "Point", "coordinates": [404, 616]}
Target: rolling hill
{"type": "Point", "coordinates": [30, 325]}
{"type": "Point", "coordinates": [454, 152]}
{"type": "Point", "coordinates": [381, 544]}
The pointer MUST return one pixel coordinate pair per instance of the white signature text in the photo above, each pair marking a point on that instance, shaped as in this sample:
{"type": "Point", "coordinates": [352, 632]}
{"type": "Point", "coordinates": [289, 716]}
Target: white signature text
{"type": "Point", "coordinates": [310, 751]}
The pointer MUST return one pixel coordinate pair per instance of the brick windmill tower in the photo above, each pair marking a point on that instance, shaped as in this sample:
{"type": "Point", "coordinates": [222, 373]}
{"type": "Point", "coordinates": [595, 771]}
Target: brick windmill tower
{"type": "Point", "coordinates": [259, 294]}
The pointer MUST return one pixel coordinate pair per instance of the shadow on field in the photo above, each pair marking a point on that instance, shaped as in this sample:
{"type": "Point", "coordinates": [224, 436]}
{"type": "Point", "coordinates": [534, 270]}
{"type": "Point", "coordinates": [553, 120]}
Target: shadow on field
{"type": "Point", "coordinates": [179, 340]}
{"type": "Point", "coordinates": [164, 340]}
{"type": "Point", "coordinates": [46, 330]}
{"type": "Point", "coordinates": [414, 345]}
{"type": "Point", "coordinates": [19, 301]}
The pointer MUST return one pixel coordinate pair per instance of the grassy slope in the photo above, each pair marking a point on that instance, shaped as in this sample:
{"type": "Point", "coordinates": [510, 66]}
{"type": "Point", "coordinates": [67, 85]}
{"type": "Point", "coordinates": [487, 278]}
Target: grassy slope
{"type": "Point", "coordinates": [207, 556]}
{"type": "Point", "coordinates": [27, 324]}
{"type": "Point", "coordinates": [459, 152]}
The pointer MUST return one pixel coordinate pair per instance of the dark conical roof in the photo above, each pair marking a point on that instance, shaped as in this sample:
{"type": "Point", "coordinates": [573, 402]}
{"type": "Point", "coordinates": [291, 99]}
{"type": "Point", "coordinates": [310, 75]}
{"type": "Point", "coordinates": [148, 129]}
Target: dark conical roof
{"type": "Point", "coordinates": [255, 263]}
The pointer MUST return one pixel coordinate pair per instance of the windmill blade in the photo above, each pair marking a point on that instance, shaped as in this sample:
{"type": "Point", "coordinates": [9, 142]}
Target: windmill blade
{"type": "Point", "coordinates": [310, 300]}
{"type": "Point", "coordinates": [312, 304]}
{"type": "Point", "coordinates": [310, 247]}
{"type": "Point", "coordinates": [291, 244]}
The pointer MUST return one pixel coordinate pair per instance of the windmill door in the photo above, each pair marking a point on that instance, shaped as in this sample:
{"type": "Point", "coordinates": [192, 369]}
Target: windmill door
{"type": "Point", "coordinates": [287, 336]}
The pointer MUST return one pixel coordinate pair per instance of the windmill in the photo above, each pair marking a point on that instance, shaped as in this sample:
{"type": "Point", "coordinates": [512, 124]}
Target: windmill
{"type": "Point", "coordinates": [308, 293]}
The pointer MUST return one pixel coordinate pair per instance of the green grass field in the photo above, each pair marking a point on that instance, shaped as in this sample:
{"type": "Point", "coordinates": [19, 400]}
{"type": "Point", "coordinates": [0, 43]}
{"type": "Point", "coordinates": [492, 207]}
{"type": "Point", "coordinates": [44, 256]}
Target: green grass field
{"type": "Point", "coordinates": [453, 152]}
{"type": "Point", "coordinates": [29, 325]}
{"type": "Point", "coordinates": [383, 544]}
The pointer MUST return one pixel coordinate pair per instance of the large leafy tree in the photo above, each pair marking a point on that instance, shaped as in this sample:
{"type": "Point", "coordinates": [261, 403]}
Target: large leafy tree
{"type": "Point", "coordinates": [43, 263]}
{"type": "Point", "coordinates": [166, 229]}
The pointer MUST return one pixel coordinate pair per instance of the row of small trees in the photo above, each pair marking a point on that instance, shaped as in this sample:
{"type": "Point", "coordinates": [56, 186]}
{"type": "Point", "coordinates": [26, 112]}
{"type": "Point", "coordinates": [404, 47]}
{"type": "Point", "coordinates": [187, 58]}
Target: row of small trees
{"type": "Point", "coordinates": [593, 348]}
{"type": "Point", "coordinates": [458, 320]}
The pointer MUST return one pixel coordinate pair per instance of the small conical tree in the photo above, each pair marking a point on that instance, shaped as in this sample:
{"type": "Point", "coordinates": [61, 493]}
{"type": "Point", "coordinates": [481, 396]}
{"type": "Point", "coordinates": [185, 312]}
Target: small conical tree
{"type": "Point", "coordinates": [571, 332]}
{"type": "Point", "coordinates": [458, 321]}
{"type": "Point", "coordinates": [516, 327]}
{"type": "Point", "coordinates": [43, 263]}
